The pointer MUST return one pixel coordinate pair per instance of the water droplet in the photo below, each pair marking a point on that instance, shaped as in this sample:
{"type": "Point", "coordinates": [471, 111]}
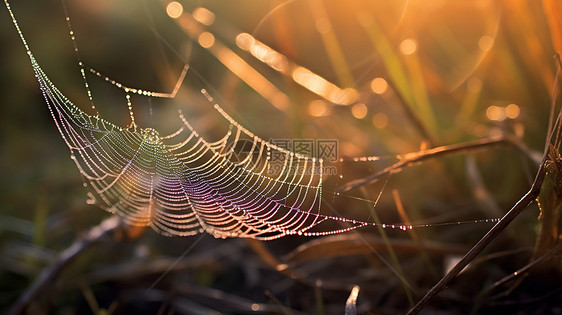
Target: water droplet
{"type": "Point", "coordinates": [150, 135]}
{"type": "Point", "coordinates": [91, 199]}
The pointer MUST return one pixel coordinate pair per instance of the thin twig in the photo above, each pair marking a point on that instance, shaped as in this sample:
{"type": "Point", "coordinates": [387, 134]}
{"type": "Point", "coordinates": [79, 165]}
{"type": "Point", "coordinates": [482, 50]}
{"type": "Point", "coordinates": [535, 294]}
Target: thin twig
{"type": "Point", "coordinates": [49, 275]}
{"type": "Point", "coordinates": [553, 102]}
{"type": "Point", "coordinates": [220, 300]}
{"type": "Point", "coordinates": [438, 152]}
{"type": "Point", "coordinates": [553, 251]}
{"type": "Point", "coordinates": [288, 270]}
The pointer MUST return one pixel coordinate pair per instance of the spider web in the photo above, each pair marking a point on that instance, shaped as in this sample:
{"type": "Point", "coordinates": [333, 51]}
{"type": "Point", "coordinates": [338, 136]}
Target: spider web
{"type": "Point", "coordinates": [181, 184]}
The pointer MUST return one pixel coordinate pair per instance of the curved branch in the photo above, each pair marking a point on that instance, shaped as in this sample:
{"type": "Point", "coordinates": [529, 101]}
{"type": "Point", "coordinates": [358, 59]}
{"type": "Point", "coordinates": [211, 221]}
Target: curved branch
{"type": "Point", "coordinates": [49, 275]}
{"type": "Point", "coordinates": [438, 152]}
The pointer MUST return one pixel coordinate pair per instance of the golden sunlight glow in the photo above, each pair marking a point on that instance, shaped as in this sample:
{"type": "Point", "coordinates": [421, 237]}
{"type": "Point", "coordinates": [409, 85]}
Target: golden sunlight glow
{"type": "Point", "coordinates": [359, 110]}
{"type": "Point", "coordinates": [380, 120]}
{"type": "Point", "coordinates": [206, 39]}
{"type": "Point", "coordinates": [174, 9]}
{"type": "Point", "coordinates": [262, 52]}
{"type": "Point", "coordinates": [314, 82]}
{"type": "Point", "coordinates": [301, 75]}
{"type": "Point", "coordinates": [379, 85]}
{"type": "Point", "coordinates": [204, 16]}
{"type": "Point", "coordinates": [365, 18]}
{"type": "Point", "coordinates": [322, 87]}
{"type": "Point", "coordinates": [249, 75]}
{"type": "Point", "coordinates": [245, 41]}
{"type": "Point", "coordinates": [485, 43]}
{"type": "Point", "coordinates": [512, 111]}
{"type": "Point", "coordinates": [495, 113]}
{"type": "Point", "coordinates": [234, 63]}
{"type": "Point", "coordinates": [474, 85]}
{"type": "Point", "coordinates": [408, 46]}
{"type": "Point", "coordinates": [317, 108]}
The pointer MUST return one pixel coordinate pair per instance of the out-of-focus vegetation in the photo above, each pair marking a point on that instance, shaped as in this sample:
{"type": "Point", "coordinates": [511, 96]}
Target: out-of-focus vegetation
{"type": "Point", "coordinates": [414, 75]}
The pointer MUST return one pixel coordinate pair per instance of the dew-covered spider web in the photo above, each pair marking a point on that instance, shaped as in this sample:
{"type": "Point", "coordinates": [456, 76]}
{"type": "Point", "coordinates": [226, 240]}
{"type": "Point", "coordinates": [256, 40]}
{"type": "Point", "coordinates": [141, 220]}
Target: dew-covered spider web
{"type": "Point", "coordinates": [180, 183]}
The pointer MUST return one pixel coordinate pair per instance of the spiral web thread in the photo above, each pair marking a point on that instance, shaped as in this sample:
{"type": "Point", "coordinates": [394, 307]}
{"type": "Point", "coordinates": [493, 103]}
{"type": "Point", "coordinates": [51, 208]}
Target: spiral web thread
{"type": "Point", "coordinates": [181, 184]}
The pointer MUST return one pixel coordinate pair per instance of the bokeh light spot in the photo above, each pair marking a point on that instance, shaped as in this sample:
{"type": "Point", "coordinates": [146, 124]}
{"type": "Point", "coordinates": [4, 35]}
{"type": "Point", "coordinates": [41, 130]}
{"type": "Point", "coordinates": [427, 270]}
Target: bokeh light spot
{"type": "Point", "coordinates": [359, 110]}
{"type": "Point", "coordinates": [380, 120]}
{"type": "Point", "coordinates": [495, 113]}
{"type": "Point", "coordinates": [408, 46]}
{"type": "Point", "coordinates": [204, 16]}
{"type": "Point", "coordinates": [323, 25]}
{"type": "Point", "coordinates": [174, 9]}
{"type": "Point", "coordinates": [485, 43]}
{"type": "Point", "coordinates": [206, 39]}
{"type": "Point", "coordinates": [245, 41]}
{"type": "Point", "coordinates": [317, 108]}
{"type": "Point", "coordinates": [379, 85]}
{"type": "Point", "coordinates": [512, 111]}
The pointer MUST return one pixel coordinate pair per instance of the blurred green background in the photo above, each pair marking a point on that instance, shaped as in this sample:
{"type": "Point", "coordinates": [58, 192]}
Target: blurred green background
{"type": "Point", "coordinates": [458, 66]}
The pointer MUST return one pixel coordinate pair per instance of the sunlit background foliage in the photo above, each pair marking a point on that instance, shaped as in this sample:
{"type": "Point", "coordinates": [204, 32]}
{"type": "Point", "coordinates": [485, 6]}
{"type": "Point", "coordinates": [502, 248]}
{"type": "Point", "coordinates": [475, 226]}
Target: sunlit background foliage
{"type": "Point", "coordinates": [380, 77]}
